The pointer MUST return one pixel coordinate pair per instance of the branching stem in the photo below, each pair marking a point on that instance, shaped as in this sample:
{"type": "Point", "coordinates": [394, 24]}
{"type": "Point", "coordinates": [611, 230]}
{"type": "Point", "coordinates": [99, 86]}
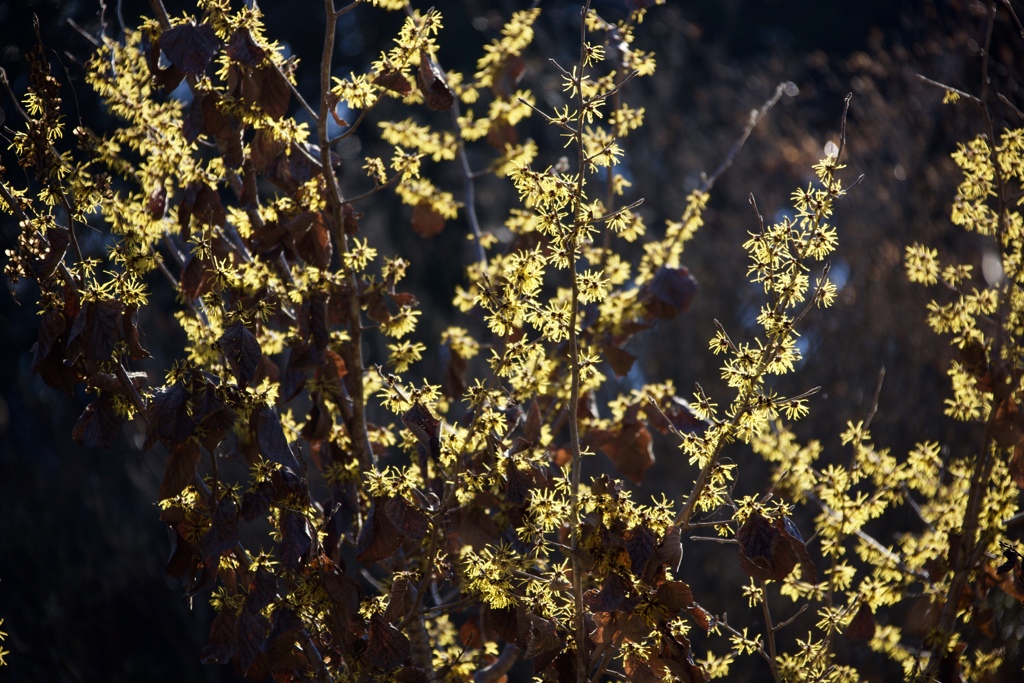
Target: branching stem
{"type": "Point", "coordinates": [354, 356]}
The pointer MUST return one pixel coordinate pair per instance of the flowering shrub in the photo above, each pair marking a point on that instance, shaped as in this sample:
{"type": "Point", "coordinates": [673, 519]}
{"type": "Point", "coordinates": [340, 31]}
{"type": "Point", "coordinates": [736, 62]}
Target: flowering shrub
{"type": "Point", "coordinates": [419, 531]}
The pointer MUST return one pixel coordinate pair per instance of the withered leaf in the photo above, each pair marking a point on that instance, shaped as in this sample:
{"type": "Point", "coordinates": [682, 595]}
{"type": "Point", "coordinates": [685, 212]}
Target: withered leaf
{"type": "Point", "coordinates": [1008, 425]}
{"type": "Point", "coordinates": [318, 327]}
{"type": "Point", "coordinates": [221, 646]}
{"type": "Point", "coordinates": [639, 670]}
{"type": "Point", "coordinates": [614, 627]}
{"type": "Point", "coordinates": [251, 639]}
{"type": "Point", "coordinates": [156, 202]}
{"type": "Point", "coordinates": [517, 484]}
{"type": "Point", "coordinates": [471, 526]}
{"type": "Point", "coordinates": [620, 360]}
{"type": "Point", "coordinates": [311, 238]}
{"type": "Point", "coordinates": [862, 627]}
{"type": "Point", "coordinates": [215, 416]}
{"type": "Point", "coordinates": [99, 426]}
{"type": "Point", "coordinates": [471, 633]}
{"type": "Point", "coordinates": [426, 221]}
{"type": "Point", "coordinates": [531, 428]}
{"type": "Point", "coordinates": [378, 538]}
{"type": "Point", "coordinates": [676, 659]}
{"type": "Point", "coordinates": [425, 427]}
{"type": "Point", "coordinates": [180, 469]}
{"type": "Point", "coordinates": [392, 79]}
{"type": "Point", "coordinates": [674, 596]}
{"type": "Point", "coordinates": [508, 79]}
{"type": "Point", "coordinates": [207, 117]}
{"type": "Point", "coordinates": [296, 541]}
{"type": "Point", "coordinates": [795, 542]}
{"type": "Point", "coordinates": [52, 325]}
{"type": "Point", "coordinates": [57, 240]}
{"type": "Point", "coordinates": [433, 84]}
{"type": "Point", "coordinates": [1016, 465]}
{"type": "Point", "coordinates": [318, 424]}
{"type": "Point", "coordinates": [387, 647]}
{"type": "Point", "coordinates": [344, 592]}
{"type": "Point", "coordinates": [631, 449]}
{"type": "Point", "coordinates": [197, 276]}
{"type": "Point", "coordinates": [501, 135]}
{"type": "Point", "coordinates": [407, 519]}
{"type": "Point", "coordinates": [640, 545]}
{"type": "Point", "coordinates": [668, 293]}
{"type": "Point", "coordinates": [167, 417]}
{"type": "Point", "coordinates": [700, 616]}
{"type": "Point", "coordinates": [262, 591]}
{"type": "Point", "coordinates": [223, 533]}
{"type": "Point", "coordinates": [1012, 558]}
{"type": "Point", "coordinates": [96, 330]}
{"type": "Point", "coordinates": [257, 501]}
{"type": "Point", "coordinates": [242, 48]}
{"type": "Point", "coordinates": [285, 625]}
{"type": "Point", "coordinates": [545, 636]}
{"type": "Point", "coordinates": [611, 596]}
{"type": "Point", "coordinates": [266, 426]}
{"type": "Point", "coordinates": [675, 413]}
{"type": "Point", "coordinates": [454, 369]}
{"type": "Point", "coordinates": [242, 351]}
{"type": "Point", "coordinates": [670, 552]}
{"type": "Point", "coordinates": [351, 220]}
{"type": "Point", "coordinates": [510, 623]}
{"type": "Point", "coordinates": [269, 89]}
{"type": "Point", "coordinates": [402, 599]}
{"type": "Point", "coordinates": [54, 371]}
{"type": "Point", "coordinates": [756, 538]}
{"type": "Point", "coordinates": [376, 306]}
{"type": "Point", "coordinates": [166, 79]}
{"type": "Point", "coordinates": [771, 551]}
{"type": "Point", "coordinates": [265, 148]}
{"type": "Point", "coordinates": [190, 47]}
{"type": "Point", "coordinates": [131, 333]}
{"type": "Point", "coordinates": [208, 209]}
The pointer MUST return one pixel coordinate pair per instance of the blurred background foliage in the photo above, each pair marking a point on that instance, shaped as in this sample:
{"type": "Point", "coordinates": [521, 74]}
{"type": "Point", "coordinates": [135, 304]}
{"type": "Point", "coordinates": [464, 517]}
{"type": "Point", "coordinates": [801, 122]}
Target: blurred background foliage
{"type": "Point", "coordinates": [82, 588]}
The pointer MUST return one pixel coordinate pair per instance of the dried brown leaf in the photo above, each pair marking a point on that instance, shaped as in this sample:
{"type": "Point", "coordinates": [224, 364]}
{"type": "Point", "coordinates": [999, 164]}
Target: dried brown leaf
{"type": "Point", "coordinates": [190, 47]}
{"type": "Point", "coordinates": [378, 538]}
{"type": "Point", "coordinates": [433, 84]}
{"type": "Point", "coordinates": [99, 426]}
{"type": "Point", "coordinates": [266, 427]}
{"type": "Point", "coordinates": [387, 647]}
{"type": "Point", "coordinates": [242, 351]}
{"type": "Point", "coordinates": [180, 469]}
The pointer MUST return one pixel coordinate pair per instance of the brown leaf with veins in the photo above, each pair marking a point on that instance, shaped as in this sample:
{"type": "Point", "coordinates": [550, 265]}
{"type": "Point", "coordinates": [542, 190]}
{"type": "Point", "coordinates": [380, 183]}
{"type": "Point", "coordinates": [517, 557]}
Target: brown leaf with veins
{"type": "Point", "coordinates": [190, 47]}
{"type": "Point", "coordinates": [770, 551]}
{"type": "Point", "coordinates": [180, 470]}
{"type": "Point", "coordinates": [387, 647]}
{"type": "Point", "coordinates": [433, 84]}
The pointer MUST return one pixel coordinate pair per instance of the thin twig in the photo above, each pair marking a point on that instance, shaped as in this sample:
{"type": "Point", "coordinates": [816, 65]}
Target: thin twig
{"type": "Point", "coordinates": [755, 116]}
{"type": "Point", "coordinates": [961, 93]}
{"type": "Point", "coordinates": [580, 630]}
{"type": "Point", "coordinates": [783, 624]}
{"type": "Point", "coordinates": [769, 633]}
{"type": "Point", "coordinates": [1011, 105]}
{"type": "Point", "coordinates": [874, 403]}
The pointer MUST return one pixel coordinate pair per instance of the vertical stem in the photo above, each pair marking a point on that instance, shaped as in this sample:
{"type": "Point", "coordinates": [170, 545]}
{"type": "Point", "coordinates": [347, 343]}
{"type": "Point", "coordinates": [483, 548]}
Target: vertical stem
{"type": "Point", "coordinates": [973, 541]}
{"type": "Point", "coordinates": [353, 356]}
{"type": "Point", "coordinates": [574, 356]}
{"type": "Point", "coordinates": [769, 630]}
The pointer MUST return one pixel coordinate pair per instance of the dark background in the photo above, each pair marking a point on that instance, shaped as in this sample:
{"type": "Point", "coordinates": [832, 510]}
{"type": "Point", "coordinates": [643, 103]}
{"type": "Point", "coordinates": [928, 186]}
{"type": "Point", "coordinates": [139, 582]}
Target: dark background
{"type": "Point", "coordinates": [82, 588]}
